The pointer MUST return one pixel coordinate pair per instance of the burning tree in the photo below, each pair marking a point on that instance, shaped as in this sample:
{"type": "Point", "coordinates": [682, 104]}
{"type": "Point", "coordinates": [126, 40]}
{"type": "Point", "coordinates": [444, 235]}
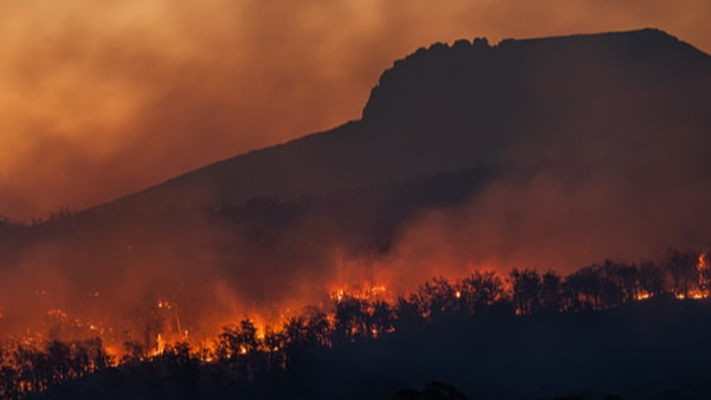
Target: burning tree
{"type": "Point", "coordinates": [682, 267]}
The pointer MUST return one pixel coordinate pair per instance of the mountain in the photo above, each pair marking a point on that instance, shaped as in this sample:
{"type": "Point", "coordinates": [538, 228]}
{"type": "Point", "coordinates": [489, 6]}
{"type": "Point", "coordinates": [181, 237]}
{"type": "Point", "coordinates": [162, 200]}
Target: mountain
{"type": "Point", "coordinates": [448, 108]}
{"type": "Point", "coordinates": [549, 152]}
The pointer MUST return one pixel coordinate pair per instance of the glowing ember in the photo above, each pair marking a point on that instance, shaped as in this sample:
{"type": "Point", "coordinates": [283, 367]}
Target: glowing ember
{"type": "Point", "coordinates": [164, 304]}
{"type": "Point", "coordinates": [694, 294]}
{"type": "Point", "coordinates": [642, 296]}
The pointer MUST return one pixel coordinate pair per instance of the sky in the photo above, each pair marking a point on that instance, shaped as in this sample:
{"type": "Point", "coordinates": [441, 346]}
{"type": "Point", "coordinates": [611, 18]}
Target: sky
{"type": "Point", "coordinates": [101, 99]}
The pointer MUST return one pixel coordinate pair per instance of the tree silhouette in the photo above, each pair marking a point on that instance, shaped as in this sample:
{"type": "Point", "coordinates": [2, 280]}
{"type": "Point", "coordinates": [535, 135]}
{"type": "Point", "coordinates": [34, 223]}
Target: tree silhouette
{"type": "Point", "coordinates": [550, 292]}
{"type": "Point", "coordinates": [134, 352]}
{"type": "Point", "coordinates": [9, 377]}
{"type": "Point", "coordinates": [274, 347]}
{"type": "Point", "coordinates": [319, 327]}
{"type": "Point", "coordinates": [682, 269]}
{"type": "Point", "coordinates": [651, 279]}
{"type": "Point", "coordinates": [527, 291]}
{"type": "Point", "coordinates": [581, 291]}
{"type": "Point", "coordinates": [625, 279]}
{"type": "Point", "coordinates": [438, 300]}
{"type": "Point", "coordinates": [480, 291]}
{"type": "Point", "coordinates": [351, 319]}
{"type": "Point", "coordinates": [382, 319]}
{"type": "Point", "coordinates": [58, 362]}
{"type": "Point", "coordinates": [237, 341]}
{"type": "Point", "coordinates": [409, 313]}
{"type": "Point", "coordinates": [247, 359]}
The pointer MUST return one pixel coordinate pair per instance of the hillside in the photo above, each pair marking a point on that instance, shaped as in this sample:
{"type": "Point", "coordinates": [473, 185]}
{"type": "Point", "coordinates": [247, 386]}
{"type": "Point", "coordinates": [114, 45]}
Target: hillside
{"type": "Point", "coordinates": [552, 152]}
{"type": "Point", "coordinates": [447, 108]}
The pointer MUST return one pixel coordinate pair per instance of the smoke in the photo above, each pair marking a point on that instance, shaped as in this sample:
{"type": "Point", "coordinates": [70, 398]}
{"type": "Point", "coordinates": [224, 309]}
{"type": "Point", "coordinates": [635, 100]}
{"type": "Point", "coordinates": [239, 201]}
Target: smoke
{"type": "Point", "coordinates": [107, 99]}
{"type": "Point", "coordinates": [602, 167]}
{"type": "Point", "coordinates": [550, 221]}
{"type": "Point", "coordinates": [100, 100]}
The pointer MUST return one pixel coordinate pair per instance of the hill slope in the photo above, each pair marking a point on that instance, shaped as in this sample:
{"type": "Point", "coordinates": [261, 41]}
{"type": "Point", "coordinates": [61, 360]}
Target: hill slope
{"type": "Point", "coordinates": [548, 152]}
{"type": "Point", "coordinates": [448, 108]}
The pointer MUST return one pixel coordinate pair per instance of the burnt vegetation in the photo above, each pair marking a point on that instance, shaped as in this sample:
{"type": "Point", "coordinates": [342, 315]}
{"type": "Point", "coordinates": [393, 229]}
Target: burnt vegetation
{"type": "Point", "coordinates": [608, 327]}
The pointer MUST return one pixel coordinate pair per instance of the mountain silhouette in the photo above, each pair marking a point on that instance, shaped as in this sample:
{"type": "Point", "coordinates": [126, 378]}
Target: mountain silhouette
{"type": "Point", "coordinates": [447, 108]}
{"type": "Point", "coordinates": [554, 150]}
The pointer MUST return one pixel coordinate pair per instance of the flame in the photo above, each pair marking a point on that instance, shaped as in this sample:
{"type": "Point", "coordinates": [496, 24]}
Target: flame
{"type": "Point", "coordinates": [693, 295]}
{"type": "Point", "coordinates": [198, 335]}
{"type": "Point", "coordinates": [113, 351]}
{"type": "Point", "coordinates": [366, 292]}
{"type": "Point", "coordinates": [642, 295]}
{"type": "Point", "coordinates": [338, 295]}
{"type": "Point", "coordinates": [702, 269]}
{"type": "Point", "coordinates": [160, 346]}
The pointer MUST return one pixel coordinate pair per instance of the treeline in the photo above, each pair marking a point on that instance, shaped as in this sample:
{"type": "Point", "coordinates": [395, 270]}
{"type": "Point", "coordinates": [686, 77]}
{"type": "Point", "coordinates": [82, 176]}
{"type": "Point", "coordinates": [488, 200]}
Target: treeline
{"type": "Point", "coordinates": [244, 357]}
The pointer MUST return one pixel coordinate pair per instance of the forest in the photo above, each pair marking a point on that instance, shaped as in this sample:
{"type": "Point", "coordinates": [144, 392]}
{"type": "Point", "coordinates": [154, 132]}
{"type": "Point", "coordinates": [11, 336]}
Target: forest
{"type": "Point", "coordinates": [338, 350]}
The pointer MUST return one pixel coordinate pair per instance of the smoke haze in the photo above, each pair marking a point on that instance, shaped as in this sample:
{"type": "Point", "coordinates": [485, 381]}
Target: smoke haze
{"type": "Point", "coordinates": [103, 99]}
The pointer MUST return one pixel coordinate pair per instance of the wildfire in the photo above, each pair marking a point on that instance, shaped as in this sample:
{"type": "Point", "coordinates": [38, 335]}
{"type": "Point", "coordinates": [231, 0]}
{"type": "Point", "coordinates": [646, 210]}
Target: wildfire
{"type": "Point", "coordinates": [642, 295]}
{"type": "Point", "coordinates": [703, 277]}
{"type": "Point", "coordinates": [338, 295]}
{"type": "Point", "coordinates": [367, 293]}
{"type": "Point", "coordinates": [694, 294]}
{"type": "Point", "coordinates": [112, 351]}
{"type": "Point", "coordinates": [702, 269]}
{"type": "Point", "coordinates": [158, 328]}
{"type": "Point", "coordinates": [160, 346]}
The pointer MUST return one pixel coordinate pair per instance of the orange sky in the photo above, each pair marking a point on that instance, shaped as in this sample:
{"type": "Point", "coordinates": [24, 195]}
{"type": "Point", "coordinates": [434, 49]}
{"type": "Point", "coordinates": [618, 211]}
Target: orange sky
{"type": "Point", "coordinates": [99, 99]}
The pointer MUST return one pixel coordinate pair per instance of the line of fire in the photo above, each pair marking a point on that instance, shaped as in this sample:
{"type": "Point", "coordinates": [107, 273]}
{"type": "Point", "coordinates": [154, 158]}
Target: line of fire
{"type": "Point", "coordinates": [66, 347]}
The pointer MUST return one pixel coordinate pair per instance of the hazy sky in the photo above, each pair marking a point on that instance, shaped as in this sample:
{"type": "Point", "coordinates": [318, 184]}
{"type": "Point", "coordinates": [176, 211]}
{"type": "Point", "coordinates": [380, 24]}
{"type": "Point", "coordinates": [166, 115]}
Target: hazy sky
{"type": "Point", "coordinates": [102, 98]}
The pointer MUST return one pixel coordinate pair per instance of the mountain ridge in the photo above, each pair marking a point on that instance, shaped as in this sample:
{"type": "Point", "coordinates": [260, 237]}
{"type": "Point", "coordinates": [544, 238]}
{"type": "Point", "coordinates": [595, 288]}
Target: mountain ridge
{"type": "Point", "coordinates": [323, 155]}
